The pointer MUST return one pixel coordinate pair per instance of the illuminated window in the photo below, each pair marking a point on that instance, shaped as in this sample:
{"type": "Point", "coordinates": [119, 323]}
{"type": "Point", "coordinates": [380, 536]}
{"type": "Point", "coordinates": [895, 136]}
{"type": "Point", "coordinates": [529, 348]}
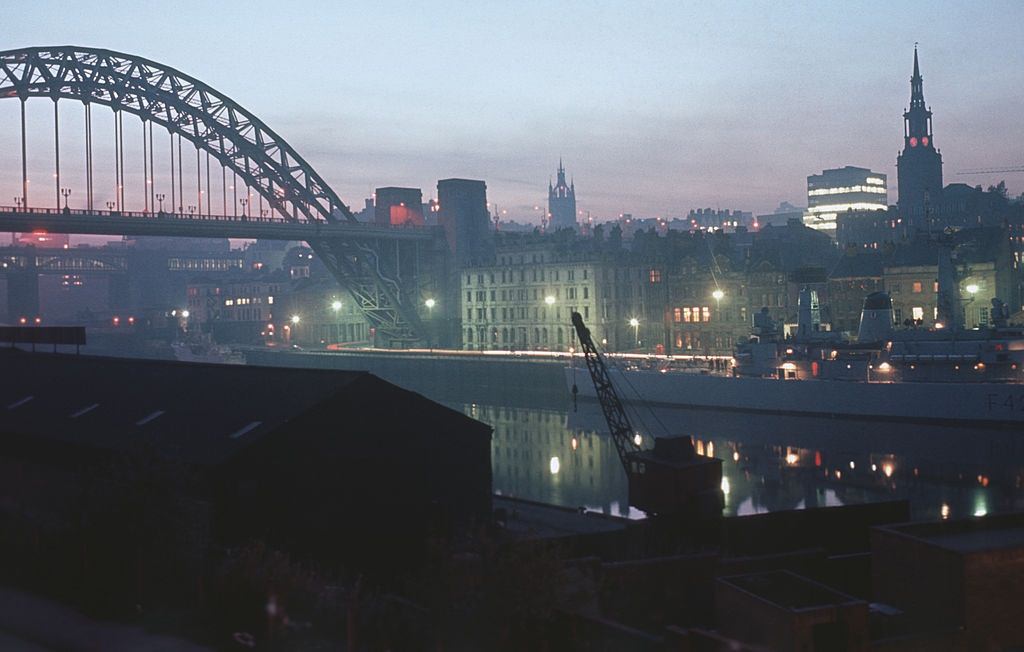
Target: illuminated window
{"type": "Point", "coordinates": [655, 276]}
{"type": "Point", "coordinates": [686, 315]}
{"type": "Point", "coordinates": [918, 313]}
{"type": "Point", "coordinates": [677, 315]}
{"type": "Point", "coordinates": [917, 287]}
{"type": "Point", "coordinates": [706, 314]}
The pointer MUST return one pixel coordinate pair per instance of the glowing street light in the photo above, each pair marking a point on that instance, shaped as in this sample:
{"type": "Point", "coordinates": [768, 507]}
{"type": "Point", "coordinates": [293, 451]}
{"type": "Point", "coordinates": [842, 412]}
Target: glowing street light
{"type": "Point", "coordinates": [184, 314]}
{"type": "Point", "coordinates": [718, 294]}
{"type": "Point", "coordinates": [335, 305]}
{"type": "Point", "coordinates": [295, 319]}
{"type": "Point", "coordinates": [550, 300]}
{"type": "Point", "coordinates": [430, 303]}
{"type": "Point", "coordinates": [635, 323]}
{"type": "Point", "coordinates": [972, 288]}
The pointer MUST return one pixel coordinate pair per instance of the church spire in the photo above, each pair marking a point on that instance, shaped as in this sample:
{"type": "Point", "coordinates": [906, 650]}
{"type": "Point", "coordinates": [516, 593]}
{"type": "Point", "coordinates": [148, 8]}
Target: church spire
{"type": "Point", "coordinates": [916, 85]}
{"type": "Point", "coordinates": [918, 118]}
{"type": "Point", "coordinates": [919, 166]}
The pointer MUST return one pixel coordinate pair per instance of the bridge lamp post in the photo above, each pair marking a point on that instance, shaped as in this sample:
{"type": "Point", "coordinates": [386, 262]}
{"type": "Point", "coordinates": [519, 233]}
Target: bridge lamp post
{"type": "Point", "coordinates": [160, 198]}
{"type": "Point", "coordinates": [244, 202]}
{"type": "Point", "coordinates": [17, 202]}
{"type": "Point", "coordinates": [191, 210]}
{"type": "Point", "coordinates": [110, 206]}
{"type": "Point", "coordinates": [635, 323]}
{"type": "Point", "coordinates": [65, 192]}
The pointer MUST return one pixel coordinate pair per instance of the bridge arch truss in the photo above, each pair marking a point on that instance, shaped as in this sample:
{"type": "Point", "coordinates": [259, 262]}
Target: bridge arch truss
{"type": "Point", "coordinates": [241, 143]}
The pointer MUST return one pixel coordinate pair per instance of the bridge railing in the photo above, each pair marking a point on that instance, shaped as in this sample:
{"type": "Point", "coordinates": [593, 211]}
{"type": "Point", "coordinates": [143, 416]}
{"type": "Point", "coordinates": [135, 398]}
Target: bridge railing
{"type": "Point", "coordinates": [197, 217]}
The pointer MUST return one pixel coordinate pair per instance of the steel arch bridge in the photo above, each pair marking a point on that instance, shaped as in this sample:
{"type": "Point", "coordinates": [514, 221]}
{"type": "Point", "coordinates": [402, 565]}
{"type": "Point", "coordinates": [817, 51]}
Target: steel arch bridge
{"type": "Point", "coordinates": [241, 143]}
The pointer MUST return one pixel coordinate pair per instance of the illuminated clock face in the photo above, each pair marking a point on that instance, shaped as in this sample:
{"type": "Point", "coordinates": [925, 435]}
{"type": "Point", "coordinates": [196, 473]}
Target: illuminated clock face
{"type": "Point", "coordinates": [913, 141]}
{"type": "Point", "coordinates": [924, 141]}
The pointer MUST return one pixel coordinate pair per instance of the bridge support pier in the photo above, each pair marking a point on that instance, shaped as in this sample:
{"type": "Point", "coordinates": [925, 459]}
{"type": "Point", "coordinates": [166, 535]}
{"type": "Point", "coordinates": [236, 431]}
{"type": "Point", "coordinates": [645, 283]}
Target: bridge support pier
{"type": "Point", "coordinates": [22, 295]}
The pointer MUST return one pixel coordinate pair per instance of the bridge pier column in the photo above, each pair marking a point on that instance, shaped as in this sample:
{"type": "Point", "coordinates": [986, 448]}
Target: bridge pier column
{"type": "Point", "coordinates": [23, 295]}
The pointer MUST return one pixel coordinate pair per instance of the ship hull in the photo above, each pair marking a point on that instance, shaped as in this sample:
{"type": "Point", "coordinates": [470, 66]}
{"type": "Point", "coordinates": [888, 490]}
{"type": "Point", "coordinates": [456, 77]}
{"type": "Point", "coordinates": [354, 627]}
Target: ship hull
{"type": "Point", "coordinates": [996, 404]}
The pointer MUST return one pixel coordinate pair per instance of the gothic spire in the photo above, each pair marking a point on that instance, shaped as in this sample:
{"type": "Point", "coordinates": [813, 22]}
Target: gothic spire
{"type": "Point", "coordinates": [916, 85]}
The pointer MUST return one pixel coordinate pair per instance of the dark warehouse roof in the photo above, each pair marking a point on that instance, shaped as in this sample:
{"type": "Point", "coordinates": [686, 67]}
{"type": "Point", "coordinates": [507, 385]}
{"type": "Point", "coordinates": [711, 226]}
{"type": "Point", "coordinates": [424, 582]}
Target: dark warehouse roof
{"type": "Point", "coordinates": [201, 413]}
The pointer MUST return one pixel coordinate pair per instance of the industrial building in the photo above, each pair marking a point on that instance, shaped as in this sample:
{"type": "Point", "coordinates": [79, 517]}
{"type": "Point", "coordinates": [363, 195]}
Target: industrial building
{"type": "Point", "coordinates": [332, 463]}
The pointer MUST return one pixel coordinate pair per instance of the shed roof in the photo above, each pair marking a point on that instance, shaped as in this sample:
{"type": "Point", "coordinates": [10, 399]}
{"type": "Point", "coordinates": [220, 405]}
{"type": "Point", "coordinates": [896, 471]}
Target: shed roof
{"type": "Point", "coordinates": [201, 413]}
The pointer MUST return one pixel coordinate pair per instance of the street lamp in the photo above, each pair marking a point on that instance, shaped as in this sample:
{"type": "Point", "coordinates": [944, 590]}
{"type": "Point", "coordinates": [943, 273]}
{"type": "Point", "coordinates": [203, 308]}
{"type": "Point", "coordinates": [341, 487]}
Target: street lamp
{"type": "Point", "coordinates": [430, 303]}
{"type": "Point", "coordinates": [65, 192]}
{"type": "Point", "coordinates": [335, 305]}
{"type": "Point", "coordinates": [718, 294]}
{"type": "Point", "coordinates": [160, 198]}
{"type": "Point", "coordinates": [550, 300]}
{"type": "Point", "coordinates": [295, 319]}
{"type": "Point", "coordinates": [110, 206]}
{"type": "Point", "coordinates": [635, 323]}
{"type": "Point", "coordinates": [972, 288]}
{"type": "Point", "coordinates": [244, 202]}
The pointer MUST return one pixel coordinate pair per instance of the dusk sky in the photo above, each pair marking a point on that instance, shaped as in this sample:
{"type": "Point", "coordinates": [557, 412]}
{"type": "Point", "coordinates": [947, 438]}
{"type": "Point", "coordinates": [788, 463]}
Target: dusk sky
{"type": "Point", "coordinates": [655, 107]}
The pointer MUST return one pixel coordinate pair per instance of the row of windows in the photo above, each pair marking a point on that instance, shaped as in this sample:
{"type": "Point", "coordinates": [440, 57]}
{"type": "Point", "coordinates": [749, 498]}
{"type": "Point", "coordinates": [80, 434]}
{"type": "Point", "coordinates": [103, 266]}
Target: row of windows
{"type": "Point", "coordinates": [510, 276]}
{"type": "Point", "coordinates": [521, 314]}
{"type": "Point", "coordinates": [520, 336]}
{"type": "Point", "coordinates": [203, 264]}
{"type": "Point", "coordinates": [694, 314]}
{"type": "Point", "coordinates": [244, 301]}
{"type": "Point", "coordinates": [251, 290]}
{"type": "Point", "coordinates": [523, 294]}
{"type": "Point", "coordinates": [243, 314]}
{"type": "Point", "coordinates": [916, 287]}
{"type": "Point", "coordinates": [691, 340]}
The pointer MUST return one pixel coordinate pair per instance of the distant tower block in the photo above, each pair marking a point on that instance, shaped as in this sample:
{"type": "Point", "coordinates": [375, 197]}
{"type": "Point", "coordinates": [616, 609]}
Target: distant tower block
{"type": "Point", "coordinates": [562, 202]}
{"type": "Point", "coordinates": [463, 213]}
{"type": "Point", "coordinates": [398, 206]}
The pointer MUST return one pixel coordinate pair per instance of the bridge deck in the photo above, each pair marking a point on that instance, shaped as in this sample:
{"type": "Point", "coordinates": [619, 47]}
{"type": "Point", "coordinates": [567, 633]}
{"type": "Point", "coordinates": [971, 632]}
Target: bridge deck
{"type": "Point", "coordinates": [130, 223]}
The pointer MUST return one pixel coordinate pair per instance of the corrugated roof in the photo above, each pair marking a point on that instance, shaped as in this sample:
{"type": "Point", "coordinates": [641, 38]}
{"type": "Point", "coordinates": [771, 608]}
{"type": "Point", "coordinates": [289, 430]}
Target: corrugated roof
{"type": "Point", "coordinates": [203, 413]}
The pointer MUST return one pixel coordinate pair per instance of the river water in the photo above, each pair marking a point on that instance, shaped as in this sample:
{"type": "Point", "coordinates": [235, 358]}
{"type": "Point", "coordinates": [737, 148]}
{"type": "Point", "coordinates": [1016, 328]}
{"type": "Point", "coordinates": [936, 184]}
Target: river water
{"type": "Point", "coordinates": [563, 455]}
{"type": "Point", "coordinates": [548, 449]}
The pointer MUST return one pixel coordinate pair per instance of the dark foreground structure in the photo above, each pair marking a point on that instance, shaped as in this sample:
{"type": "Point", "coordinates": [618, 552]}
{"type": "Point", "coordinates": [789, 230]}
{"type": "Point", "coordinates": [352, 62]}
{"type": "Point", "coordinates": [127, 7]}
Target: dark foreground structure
{"type": "Point", "coordinates": [314, 509]}
{"type": "Point", "coordinates": [131, 475]}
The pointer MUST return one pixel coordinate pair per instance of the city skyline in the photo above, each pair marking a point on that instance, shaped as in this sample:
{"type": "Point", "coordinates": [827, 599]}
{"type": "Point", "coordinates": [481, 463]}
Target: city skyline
{"type": "Point", "coordinates": [699, 107]}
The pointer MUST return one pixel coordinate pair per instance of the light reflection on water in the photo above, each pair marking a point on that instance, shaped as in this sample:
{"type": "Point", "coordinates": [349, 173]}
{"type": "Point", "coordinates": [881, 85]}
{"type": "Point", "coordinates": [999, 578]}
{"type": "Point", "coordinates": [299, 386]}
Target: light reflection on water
{"type": "Point", "coordinates": [770, 463]}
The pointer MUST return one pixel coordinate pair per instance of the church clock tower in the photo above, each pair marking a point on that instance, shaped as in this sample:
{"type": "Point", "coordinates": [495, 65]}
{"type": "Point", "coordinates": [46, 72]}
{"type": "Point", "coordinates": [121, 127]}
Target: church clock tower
{"type": "Point", "coordinates": [919, 166]}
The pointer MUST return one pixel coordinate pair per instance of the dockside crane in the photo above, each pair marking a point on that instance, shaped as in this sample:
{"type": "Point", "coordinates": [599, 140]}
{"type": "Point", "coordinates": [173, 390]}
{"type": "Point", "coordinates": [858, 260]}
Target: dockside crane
{"type": "Point", "coordinates": [670, 479]}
